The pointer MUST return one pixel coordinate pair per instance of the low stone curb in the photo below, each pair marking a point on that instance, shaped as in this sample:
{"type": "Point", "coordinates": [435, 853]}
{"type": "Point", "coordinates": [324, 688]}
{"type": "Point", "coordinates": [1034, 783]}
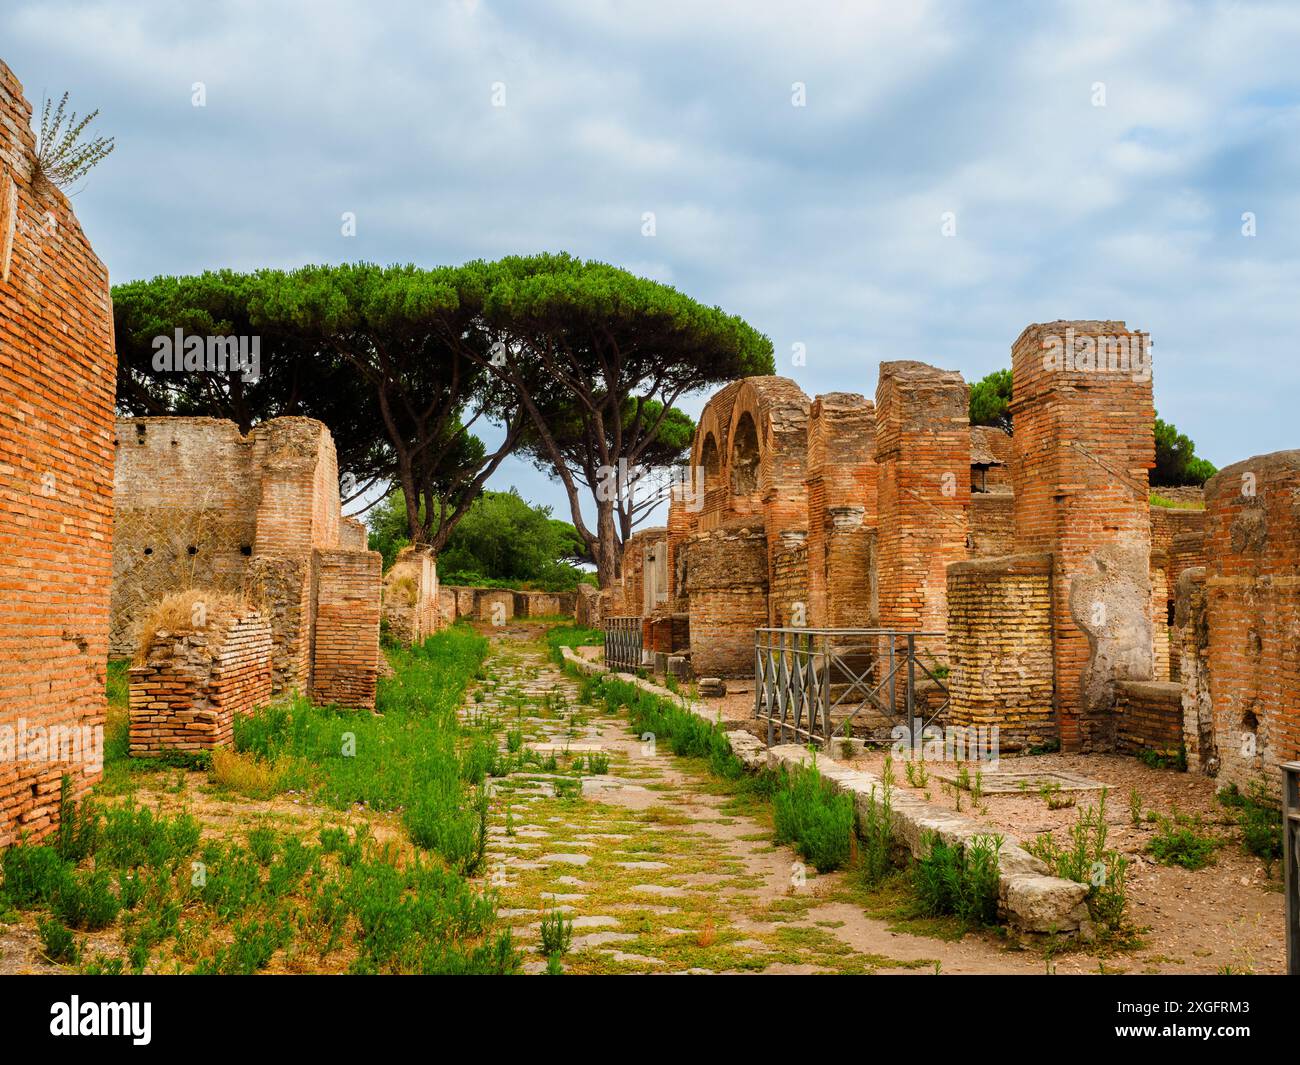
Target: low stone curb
{"type": "Point", "coordinates": [1029, 897]}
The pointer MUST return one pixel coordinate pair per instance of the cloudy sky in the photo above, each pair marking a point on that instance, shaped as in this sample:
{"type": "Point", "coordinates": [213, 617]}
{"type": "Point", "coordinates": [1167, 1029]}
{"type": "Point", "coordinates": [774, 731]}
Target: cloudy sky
{"type": "Point", "coordinates": [1098, 158]}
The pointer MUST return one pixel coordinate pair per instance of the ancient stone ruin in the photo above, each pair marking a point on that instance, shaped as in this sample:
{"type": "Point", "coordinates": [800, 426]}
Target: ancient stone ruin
{"type": "Point", "coordinates": [200, 506]}
{"type": "Point", "coordinates": [57, 380]}
{"type": "Point", "coordinates": [1066, 607]}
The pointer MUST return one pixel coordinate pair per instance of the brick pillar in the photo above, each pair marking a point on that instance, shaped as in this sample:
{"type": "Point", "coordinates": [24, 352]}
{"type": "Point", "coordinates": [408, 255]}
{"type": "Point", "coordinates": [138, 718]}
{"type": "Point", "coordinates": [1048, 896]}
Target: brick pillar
{"type": "Point", "coordinates": [1252, 588]}
{"type": "Point", "coordinates": [1084, 440]}
{"type": "Point", "coordinates": [841, 509]}
{"type": "Point", "coordinates": [923, 478]}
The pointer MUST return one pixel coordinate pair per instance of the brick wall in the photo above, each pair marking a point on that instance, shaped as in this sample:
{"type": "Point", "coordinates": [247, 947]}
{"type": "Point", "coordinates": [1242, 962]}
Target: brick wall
{"type": "Point", "coordinates": [57, 379]}
{"type": "Point", "coordinates": [841, 510]}
{"type": "Point", "coordinates": [992, 524]}
{"type": "Point", "coordinates": [923, 463]}
{"type": "Point", "coordinates": [196, 501]}
{"type": "Point", "coordinates": [192, 684]}
{"type": "Point", "coordinates": [1083, 445]}
{"type": "Point", "coordinates": [1253, 616]}
{"type": "Point", "coordinates": [1148, 717]}
{"type": "Point", "coordinates": [1192, 634]}
{"type": "Point", "coordinates": [587, 606]}
{"type": "Point", "coordinates": [281, 589]}
{"type": "Point", "coordinates": [345, 665]}
{"type": "Point", "coordinates": [410, 600]}
{"type": "Point", "coordinates": [1000, 648]}
{"type": "Point", "coordinates": [788, 596]}
{"type": "Point", "coordinates": [726, 580]}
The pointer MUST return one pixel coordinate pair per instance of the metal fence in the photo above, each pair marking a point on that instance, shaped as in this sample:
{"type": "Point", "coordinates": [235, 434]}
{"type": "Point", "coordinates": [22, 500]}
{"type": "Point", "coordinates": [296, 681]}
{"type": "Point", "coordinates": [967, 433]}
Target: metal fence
{"type": "Point", "coordinates": [809, 682]}
{"type": "Point", "coordinates": [1291, 856]}
{"type": "Point", "coordinates": [623, 644]}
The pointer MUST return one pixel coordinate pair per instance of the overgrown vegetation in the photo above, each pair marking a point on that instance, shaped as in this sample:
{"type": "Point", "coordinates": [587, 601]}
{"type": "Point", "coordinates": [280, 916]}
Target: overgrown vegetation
{"type": "Point", "coordinates": [63, 156]}
{"type": "Point", "coordinates": [1182, 840]}
{"type": "Point", "coordinates": [1259, 817]}
{"type": "Point", "coordinates": [558, 636]}
{"type": "Point", "coordinates": [961, 880]}
{"type": "Point", "coordinates": [1086, 859]}
{"type": "Point", "coordinates": [815, 816]}
{"type": "Point", "coordinates": [183, 903]}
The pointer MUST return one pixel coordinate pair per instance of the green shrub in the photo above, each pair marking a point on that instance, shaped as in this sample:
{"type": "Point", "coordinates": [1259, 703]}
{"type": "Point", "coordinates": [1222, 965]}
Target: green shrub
{"type": "Point", "coordinates": [876, 830]}
{"type": "Point", "coordinates": [960, 880]}
{"type": "Point", "coordinates": [57, 943]}
{"type": "Point", "coordinates": [816, 817]}
{"type": "Point", "coordinates": [1260, 818]}
{"type": "Point", "coordinates": [32, 874]}
{"type": "Point", "coordinates": [557, 934]}
{"type": "Point", "coordinates": [1180, 841]}
{"type": "Point", "coordinates": [443, 823]}
{"type": "Point", "coordinates": [1087, 860]}
{"type": "Point", "coordinates": [86, 900]}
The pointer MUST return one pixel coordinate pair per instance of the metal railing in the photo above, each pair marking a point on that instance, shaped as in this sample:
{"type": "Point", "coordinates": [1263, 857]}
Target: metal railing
{"type": "Point", "coordinates": [1291, 856]}
{"type": "Point", "coordinates": [623, 644]}
{"type": "Point", "coordinates": [809, 682]}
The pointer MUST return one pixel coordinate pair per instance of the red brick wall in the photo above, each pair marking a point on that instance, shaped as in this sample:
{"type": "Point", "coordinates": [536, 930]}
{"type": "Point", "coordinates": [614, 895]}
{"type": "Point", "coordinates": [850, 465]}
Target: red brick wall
{"type": "Point", "coordinates": [992, 524]}
{"type": "Point", "coordinates": [841, 510]}
{"type": "Point", "coordinates": [192, 685]}
{"type": "Point", "coordinates": [57, 371]}
{"type": "Point", "coordinates": [1084, 443]}
{"type": "Point", "coordinates": [923, 463]}
{"type": "Point", "coordinates": [1253, 615]}
{"type": "Point", "coordinates": [346, 647]}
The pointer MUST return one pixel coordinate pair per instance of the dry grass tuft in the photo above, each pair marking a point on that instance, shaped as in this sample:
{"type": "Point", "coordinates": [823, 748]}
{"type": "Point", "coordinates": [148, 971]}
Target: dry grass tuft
{"type": "Point", "coordinates": [193, 610]}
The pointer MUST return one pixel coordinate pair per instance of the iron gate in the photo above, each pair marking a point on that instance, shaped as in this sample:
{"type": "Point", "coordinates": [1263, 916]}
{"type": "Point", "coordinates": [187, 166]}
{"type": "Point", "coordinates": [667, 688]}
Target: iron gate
{"type": "Point", "coordinates": [623, 644]}
{"type": "Point", "coordinates": [809, 682]}
{"type": "Point", "coordinates": [1291, 856]}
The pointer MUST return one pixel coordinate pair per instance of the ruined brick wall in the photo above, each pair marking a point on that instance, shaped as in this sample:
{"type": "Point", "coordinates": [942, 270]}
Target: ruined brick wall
{"type": "Point", "coordinates": [778, 410]}
{"type": "Point", "coordinates": [1161, 645]}
{"type": "Point", "coordinates": [281, 589]}
{"type": "Point", "coordinates": [345, 665]}
{"type": "Point", "coordinates": [1170, 527]}
{"type": "Point", "coordinates": [710, 453]}
{"type": "Point", "coordinates": [185, 514]}
{"type": "Point", "coordinates": [495, 606]}
{"type": "Point", "coordinates": [992, 529]}
{"type": "Point", "coordinates": [195, 501]}
{"type": "Point", "coordinates": [192, 684]}
{"type": "Point", "coordinates": [57, 380]}
{"type": "Point", "coordinates": [1253, 616]}
{"type": "Point", "coordinates": [353, 535]}
{"type": "Point", "coordinates": [683, 519]}
{"type": "Point", "coordinates": [923, 462]}
{"type": "Point", "coordinates": [587, 606]}
{"type": "Point", "coordinates": [1148, 717]}
{"type": "Point", "coordinates": [1192, 633]}
{"type": "Point", "coordinates": [841, 492]}
{"type": "Point", "coordinates": [726, 581]}
{"type": "Point", "coordinates": [991, 455]}
{"type": "Point", "coordinates": [645, 571]}
{"type": "Point", "coordinates": [788, 590]}
{"type": "Point", "coordinates": [999, 636]}
{"type": "Point", "coordinates": [1084, 442]}
{"type": "Point", "coordinates": [410, 598]}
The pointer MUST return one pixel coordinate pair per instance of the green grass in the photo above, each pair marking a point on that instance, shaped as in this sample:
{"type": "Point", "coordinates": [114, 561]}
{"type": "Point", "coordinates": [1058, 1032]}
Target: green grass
{"type": "Point", "coordinates": [960, 880]}
{"type": "Point", "coordinates": [572, 635]}
{"type": "Point", "coordinates": [1182, 841]}
{"type": "Point", "coordinates": [815, 816]}
{"type": "Point", "coordinates": [1259, 817]}
{"type": "Point", "coordinates": [174, 901]}
{"type": "Point", "coordinates": [1157, 500]}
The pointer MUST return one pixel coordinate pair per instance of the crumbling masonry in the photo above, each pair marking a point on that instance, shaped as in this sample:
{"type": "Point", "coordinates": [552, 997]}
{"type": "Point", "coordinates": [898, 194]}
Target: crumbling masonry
{"type": "Point", "coordinates": [201, 506]}
{"type": "Point", "coordinates": [57, 377]}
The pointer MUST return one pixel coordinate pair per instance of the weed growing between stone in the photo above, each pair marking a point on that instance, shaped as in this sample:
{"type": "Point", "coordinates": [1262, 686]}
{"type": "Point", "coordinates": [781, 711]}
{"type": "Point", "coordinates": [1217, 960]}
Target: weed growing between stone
{"type": "Point", "coordinates": [815, 816]}
{"type": "Point", "coordinates": [1086, 859]}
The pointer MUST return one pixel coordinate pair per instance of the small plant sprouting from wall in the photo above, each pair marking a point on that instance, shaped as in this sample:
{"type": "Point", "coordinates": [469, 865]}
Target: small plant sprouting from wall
{"type": "Point", "coordinates": [62, 155]}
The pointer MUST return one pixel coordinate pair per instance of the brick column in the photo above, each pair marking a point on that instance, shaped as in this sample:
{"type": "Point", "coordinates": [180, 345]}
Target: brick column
{"type": "Point", "coordinates": [1084, 440]}
{"type": "Point", "coordinates": [923, 478]}
{"type": "Point", "coordinates": [841, 510]}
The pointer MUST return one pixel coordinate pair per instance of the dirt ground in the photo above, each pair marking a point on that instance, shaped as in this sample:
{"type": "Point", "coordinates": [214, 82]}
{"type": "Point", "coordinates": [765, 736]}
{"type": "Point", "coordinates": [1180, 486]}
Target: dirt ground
{"type": "Point", "coordinates": [1228, 915]}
